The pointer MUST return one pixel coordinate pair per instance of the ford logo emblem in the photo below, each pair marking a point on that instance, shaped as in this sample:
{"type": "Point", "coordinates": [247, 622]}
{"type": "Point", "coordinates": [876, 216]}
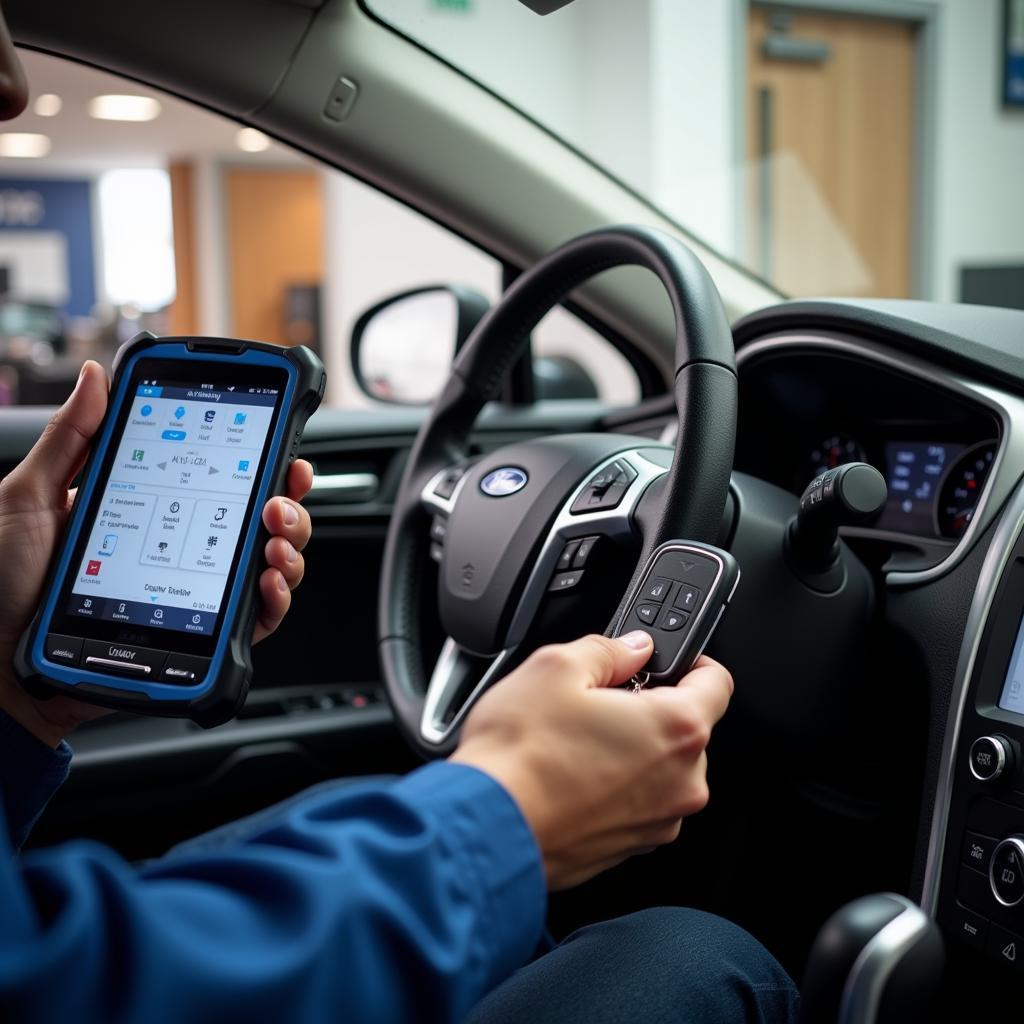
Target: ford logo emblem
{"type": "Point", "coordinates": [501, 482]}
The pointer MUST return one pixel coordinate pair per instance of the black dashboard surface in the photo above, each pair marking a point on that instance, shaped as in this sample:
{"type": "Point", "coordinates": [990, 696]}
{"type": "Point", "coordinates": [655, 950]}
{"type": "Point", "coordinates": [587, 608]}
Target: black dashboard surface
{"type": "Point", "coordinates": [983, 340]}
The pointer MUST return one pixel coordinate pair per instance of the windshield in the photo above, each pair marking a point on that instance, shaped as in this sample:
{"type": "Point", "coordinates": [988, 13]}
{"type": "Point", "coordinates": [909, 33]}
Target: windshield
{"type": "Point", "coordinates": [830, 153]}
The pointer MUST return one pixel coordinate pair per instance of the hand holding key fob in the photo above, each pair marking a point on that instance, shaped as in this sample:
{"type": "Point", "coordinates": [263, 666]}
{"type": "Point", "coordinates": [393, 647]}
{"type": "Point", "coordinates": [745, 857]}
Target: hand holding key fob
{"type": "Point", "coordinates": [679, 600]}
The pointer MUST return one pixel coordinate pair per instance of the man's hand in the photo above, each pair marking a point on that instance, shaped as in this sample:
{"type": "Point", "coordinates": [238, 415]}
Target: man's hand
{"type": "Point", "coordinates": [600, 774]}
{"type": "Point", "coordinates": [34, 506]}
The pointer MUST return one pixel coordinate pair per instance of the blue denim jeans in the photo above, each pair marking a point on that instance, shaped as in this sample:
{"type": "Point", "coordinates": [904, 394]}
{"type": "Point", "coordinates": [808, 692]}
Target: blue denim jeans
{"type": "Point", "coordinates": [663, 966]}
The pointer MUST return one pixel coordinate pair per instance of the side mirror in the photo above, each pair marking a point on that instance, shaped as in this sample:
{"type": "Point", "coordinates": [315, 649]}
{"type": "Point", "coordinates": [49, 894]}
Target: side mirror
{"type": "Point", "coordinates": [402, 348]}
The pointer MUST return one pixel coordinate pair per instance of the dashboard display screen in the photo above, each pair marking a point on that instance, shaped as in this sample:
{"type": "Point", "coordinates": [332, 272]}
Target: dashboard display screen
{"type": "Point", "coordinates": [161, 546]}
{"type": "Point", "coordinates": [914, 472]}
{"type": "Point", "coordinates": [1012, 698]}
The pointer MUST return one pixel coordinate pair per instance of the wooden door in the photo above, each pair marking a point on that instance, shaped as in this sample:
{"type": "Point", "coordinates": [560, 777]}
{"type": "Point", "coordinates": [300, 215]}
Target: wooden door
{"type": "Point", "coordinates": [275, 240]}
{"type": "Point", "coordinates": [830, 137]}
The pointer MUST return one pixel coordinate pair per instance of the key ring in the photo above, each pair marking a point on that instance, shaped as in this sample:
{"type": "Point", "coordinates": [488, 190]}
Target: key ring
{"type": "Point", "coordinates": [639, 681]}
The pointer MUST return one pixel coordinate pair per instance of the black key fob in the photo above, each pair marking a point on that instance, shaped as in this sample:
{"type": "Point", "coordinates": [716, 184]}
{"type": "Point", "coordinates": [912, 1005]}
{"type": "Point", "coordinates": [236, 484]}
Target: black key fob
{"type": "Point", "coordinates": [680, 599]}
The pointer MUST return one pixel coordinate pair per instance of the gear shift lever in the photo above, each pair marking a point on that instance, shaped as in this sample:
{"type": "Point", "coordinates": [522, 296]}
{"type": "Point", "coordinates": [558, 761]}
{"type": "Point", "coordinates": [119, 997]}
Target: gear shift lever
{"type": "Point", "coordinates": [878, 960]}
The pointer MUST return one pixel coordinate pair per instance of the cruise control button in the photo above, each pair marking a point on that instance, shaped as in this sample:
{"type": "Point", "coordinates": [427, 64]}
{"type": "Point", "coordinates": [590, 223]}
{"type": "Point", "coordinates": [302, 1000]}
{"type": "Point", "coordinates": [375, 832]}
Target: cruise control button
{"type": "Point", "coordinates": [672, 620]}
{"type": "Point", "coordinates": [586, 545]}
{"type": "Point", "coordinates": [567, 555]}
{"type": "Point", "coordinates": [566, 580]}
{"type": "Point", "coordinates": [63, 649]}
{"type": "Point", "coordinates": [688, 598]}
{"type": "Point", "coordinates": [647, 612]}
{"type": "Point", "coordinates": [446, 485]}
{"type": "Point", "coordinates": [141, 662]}
{"type": "Point", "coordinates": [184, 670]}
{"type": "Point", "coordinates": [977, 850]}
{"type": "Point", "coordinates": [658, 588]}
{"type": "Point", "coordinates": [438, 529]}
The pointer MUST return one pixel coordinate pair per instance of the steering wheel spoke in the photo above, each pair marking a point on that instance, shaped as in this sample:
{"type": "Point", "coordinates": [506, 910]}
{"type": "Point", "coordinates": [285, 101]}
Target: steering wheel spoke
{"type": "Point", "coordinates": [459, 679]}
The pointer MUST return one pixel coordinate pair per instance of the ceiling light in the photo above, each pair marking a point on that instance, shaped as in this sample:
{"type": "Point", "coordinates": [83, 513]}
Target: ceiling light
{"type": "Point", "coordinates": [124, 108]}
{"type": "Point", "coordinates": [250, 140]}
{"type": "Point", "coordinates": [48, 104]}
{"type": "Point", "coordinates": [24, 144]}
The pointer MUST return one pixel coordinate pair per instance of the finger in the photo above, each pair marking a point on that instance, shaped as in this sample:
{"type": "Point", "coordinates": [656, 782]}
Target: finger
{"type": "Point", "coordinates": [276, 598]}
{"type": "Point", "coordinates": [286, 518]}
{"type": "Point", "coordinates": [56, 457]}
{"type": "Point", "coordinates": [282, 556]}
{"type": "Point", "coordinates": [706, 689]}
{"type": "Point", "coordinates": [300, 480]}
{"type": "Point", "coordinates": [606, 662]}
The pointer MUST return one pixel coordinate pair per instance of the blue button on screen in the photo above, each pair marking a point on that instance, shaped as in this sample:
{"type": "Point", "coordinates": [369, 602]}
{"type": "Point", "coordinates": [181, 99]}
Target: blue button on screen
{"type": "Point", "coordinates": [173, 435]}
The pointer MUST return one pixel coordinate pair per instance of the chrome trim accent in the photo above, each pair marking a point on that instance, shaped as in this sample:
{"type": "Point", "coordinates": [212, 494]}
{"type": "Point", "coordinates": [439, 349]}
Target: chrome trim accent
{"type": "Point", "coordinates": [1008, 409]}
{"type": "Point", "coordinates": [440, 689]}
{"type": "Point", "coordinates": [1000, 758]}
{"type": "Point", "coordinates": [434, 503]}
{"type": "Point", "coordinates": [344, 487]}
{"type": "Point", "coordinates": [1014, 841]}
{"type": "Point", "coordinates": [865, 984]}
{"type": "Point", "coordinates": [91, 659]}
{"type": "Point", "coordinates": [614, 523]}
{"type": "Point", "coordinates": [998, 557]}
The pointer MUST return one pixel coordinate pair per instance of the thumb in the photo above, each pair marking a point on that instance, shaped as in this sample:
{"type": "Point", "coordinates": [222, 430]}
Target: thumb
{"type": "Point", "coordinates": [57, 456]}
{"type": "Point", "coordinates": [607, 662]}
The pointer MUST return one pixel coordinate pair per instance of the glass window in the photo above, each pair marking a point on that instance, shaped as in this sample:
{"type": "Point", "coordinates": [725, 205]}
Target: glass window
{"type": "Point", "coordinates": [831, 152]}
{"type": "Point", "coordinates": [127, 209]}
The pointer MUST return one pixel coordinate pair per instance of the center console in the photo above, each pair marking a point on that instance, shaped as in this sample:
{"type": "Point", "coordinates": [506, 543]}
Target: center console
{"type": "Point", "coordinates": [976, 867]}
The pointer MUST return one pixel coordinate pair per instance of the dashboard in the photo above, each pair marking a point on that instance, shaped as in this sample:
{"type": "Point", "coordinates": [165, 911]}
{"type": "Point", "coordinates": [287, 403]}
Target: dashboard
{"type": "Point", "coordinates": [806, 407]}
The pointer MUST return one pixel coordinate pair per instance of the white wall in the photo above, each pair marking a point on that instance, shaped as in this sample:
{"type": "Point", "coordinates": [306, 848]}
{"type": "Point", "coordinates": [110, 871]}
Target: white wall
{"type": "Point", "coordinates": [979, 165]}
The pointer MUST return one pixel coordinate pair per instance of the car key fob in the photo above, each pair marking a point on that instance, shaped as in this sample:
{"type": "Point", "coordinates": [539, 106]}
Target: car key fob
{"type": "Point", "coordinates": [679, 600]}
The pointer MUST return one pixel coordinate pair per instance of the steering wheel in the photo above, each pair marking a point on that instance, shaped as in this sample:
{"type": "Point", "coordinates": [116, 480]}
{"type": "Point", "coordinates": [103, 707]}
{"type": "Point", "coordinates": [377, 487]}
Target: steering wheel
{"type": "Point", "coordinates": [500, 525]}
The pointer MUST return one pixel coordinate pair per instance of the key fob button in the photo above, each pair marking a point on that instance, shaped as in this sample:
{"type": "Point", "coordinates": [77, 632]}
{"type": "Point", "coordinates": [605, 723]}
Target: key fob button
{"type": "Point", "coordinates": [658, 588]}
{"type": "Point", "coordinates": [672, 620]}
{"type": "Point", "coordinates": [688, 598]}
{"type": "Point", "coordinates": [647, 612]}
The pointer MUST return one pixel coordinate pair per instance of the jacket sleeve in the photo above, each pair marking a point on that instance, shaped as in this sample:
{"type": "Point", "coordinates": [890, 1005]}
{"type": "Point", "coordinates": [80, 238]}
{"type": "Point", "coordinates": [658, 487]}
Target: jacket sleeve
{"type": "Point", "coordinates": [380, 901]}
{"type": "Point", "coordinates": [30, 773]}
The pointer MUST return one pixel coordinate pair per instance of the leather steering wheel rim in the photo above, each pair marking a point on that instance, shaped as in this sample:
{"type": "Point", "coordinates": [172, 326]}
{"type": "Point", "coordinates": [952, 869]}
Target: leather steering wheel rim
{"type": "Point", "coordinates": [696, 486]}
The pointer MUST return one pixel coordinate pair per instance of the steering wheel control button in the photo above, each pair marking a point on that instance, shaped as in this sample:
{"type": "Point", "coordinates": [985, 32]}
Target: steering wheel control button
{"type": "Point", "coordinates": [565, 559]}
{"type": "Point", "coordinates": [673, 620]}
{"type": "Point", "coordinates": [658, 588]}
{"type": "Point", "coordinates": [65, 650]}
{"type": "Point", "coordinates": [566, 580]}
{"type": "Point", "coordinates": [140, 662]}
{"type": "Point", "coordinates": [183, 670]}
{"type": "Point", "coordinates": [688, 598]}
{"type": "Point", "coordinates": [604, 490]}
{"type": "Point", "coordinates": [977, 851]}
{"type": "Point", "coordinates": [647, 612]}
{"type": "Point", "coordinates": [1006, 872]}
{"type": "Point", "coordinates": [445, 487]}
{"type": "Point", "coordinates": [586, 545]}
{"type": "Point", "coordinates": [989, 757]}
{"type": "Point", "coordinates": [438, 529]}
